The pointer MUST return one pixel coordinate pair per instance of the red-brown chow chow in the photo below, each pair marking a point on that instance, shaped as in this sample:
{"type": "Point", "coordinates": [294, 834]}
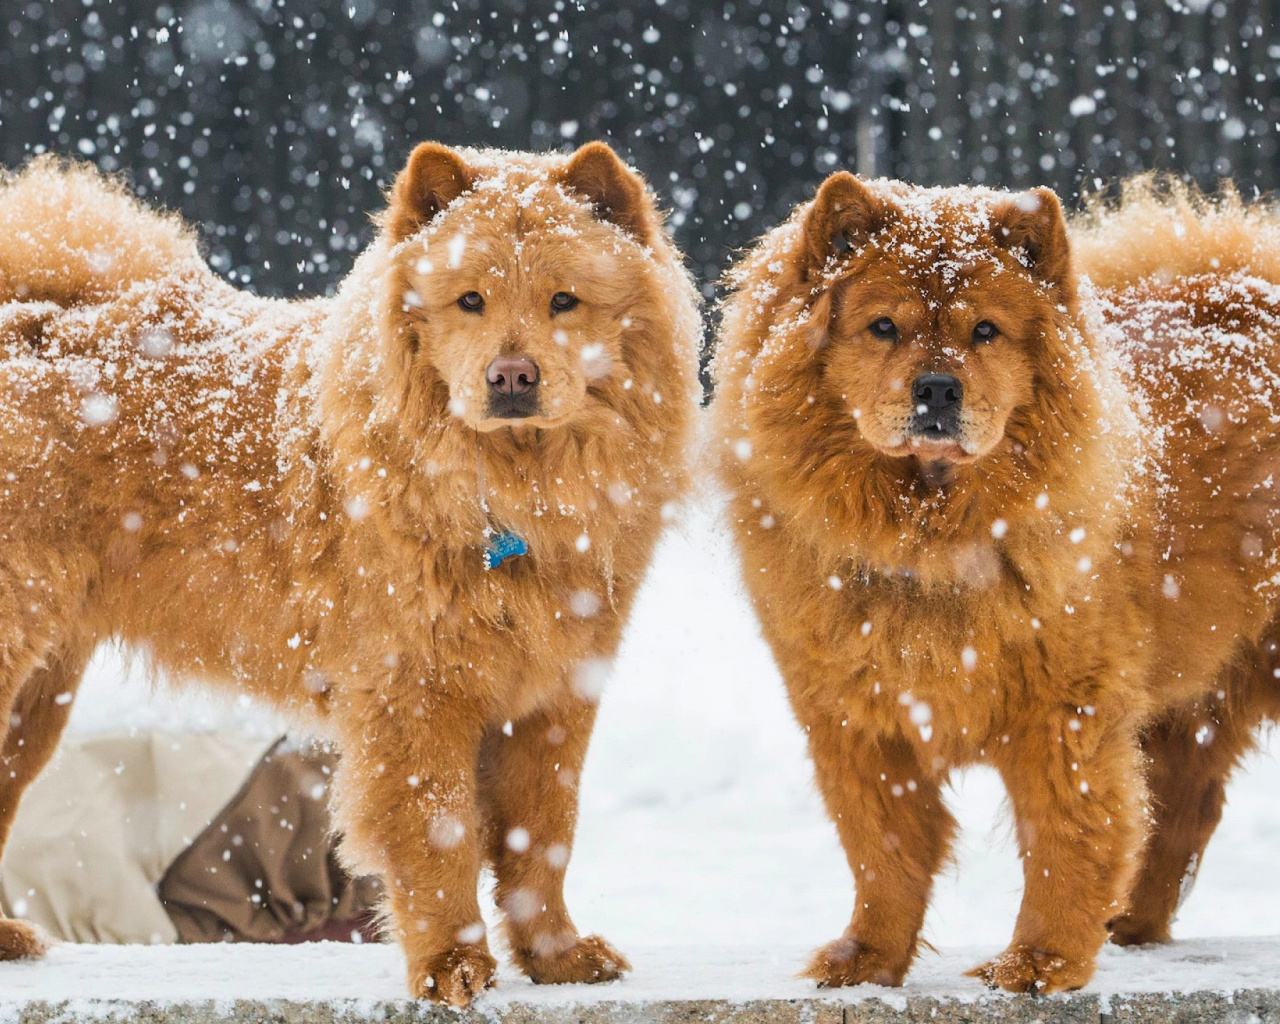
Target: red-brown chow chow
{"type": "Point", "coordinates": [302, 500]}
{"type": "Point", "coordinates": [990, 513]}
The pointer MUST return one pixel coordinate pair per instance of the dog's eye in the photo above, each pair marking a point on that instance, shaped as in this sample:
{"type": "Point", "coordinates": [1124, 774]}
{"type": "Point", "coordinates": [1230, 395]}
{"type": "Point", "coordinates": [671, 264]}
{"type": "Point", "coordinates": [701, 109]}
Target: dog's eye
{"type": "Point", "coordinates": [472, 302]}
{"type": "Point", "coordinates": [884, 328]}
{"type": "Point", "coordinates": [561, 301]}
{"type": "Point", "coordinates": [985, 331]}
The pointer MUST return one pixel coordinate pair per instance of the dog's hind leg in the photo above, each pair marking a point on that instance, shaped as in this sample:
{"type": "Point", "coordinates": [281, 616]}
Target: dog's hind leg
{"type": "Point", "coordinates": [529, 802]}
{"type": "Point", "coordinates": [1192, 750]}
{"type": "Point", "coordinates": [35, 717]}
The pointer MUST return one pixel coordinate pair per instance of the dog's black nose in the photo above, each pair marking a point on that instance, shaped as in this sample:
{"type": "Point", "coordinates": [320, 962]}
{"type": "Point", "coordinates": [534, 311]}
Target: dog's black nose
{"type": "Point", "coordinates": [936, 392]}
{"type": "Point", "coordinates": [512, 375]}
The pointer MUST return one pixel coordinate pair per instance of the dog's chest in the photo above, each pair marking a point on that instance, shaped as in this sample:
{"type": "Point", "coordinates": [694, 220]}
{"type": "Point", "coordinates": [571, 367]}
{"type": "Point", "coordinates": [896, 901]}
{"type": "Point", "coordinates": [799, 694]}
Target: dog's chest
{"type": "Point", "coordinates": [523, 624]}
{"type": "Point", "coordinates": [941, 668]}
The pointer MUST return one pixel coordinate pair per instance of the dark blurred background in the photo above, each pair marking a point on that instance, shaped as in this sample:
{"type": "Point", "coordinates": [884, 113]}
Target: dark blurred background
{"type": "Point", "coordinates": [275, 124]}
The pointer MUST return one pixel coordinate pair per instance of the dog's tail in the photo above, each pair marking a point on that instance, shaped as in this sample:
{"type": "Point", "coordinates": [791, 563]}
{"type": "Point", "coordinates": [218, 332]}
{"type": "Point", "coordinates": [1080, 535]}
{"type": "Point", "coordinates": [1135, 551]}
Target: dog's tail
{"type": "Point", "coordinates": [1162, 228]}
{"type": "Point", "coordinates": [69, 235]}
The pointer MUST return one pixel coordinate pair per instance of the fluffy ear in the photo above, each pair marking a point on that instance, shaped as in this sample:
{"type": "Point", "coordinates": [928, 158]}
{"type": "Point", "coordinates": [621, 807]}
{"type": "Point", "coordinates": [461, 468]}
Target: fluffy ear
{"type": "Point", "coordinates": [1033, 222]}
{"type": "Point", "coordinates": [615, 192]}
{"type": "Point", "coordinates": [433, 178]}
{"type": "Point", "coordinates": [844, 213]}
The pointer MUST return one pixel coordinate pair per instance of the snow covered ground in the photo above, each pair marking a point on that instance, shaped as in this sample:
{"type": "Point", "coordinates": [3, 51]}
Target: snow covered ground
{"type": "Point", "coordinates": [95, 976]}
{"type": "Point", "coordinates": [700, 825]}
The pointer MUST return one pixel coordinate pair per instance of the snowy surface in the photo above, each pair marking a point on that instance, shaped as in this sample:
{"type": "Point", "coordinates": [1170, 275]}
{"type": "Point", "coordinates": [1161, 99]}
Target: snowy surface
{"type": "Point", "coordinates": [328, 972]}
{"type": "Point", "coordinates": [701, 827]}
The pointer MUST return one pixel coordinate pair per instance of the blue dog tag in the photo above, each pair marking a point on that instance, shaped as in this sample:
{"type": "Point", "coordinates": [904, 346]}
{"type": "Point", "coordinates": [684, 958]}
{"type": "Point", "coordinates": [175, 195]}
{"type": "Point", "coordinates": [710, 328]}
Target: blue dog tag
{"type": "Point", "coordinates": [502, 546]}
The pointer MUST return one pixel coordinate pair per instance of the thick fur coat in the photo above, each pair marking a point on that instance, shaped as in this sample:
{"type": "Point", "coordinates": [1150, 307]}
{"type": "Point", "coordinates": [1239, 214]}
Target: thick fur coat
{"type": "Point", "coordinates": [295, 499]}
{"type": "Point", "coordinates": [1072, 555]}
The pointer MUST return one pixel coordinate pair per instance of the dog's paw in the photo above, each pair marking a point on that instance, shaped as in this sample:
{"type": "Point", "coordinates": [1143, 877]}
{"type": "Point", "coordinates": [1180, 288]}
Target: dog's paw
{"type": "Point", "coordinates": [587, 961]}
{"type": "Point", "coordinates": [850, 962]}
{"type": "Point", "coordinates": [1037, 971]}
{"type": "Point", "coordinates": [1130, 931]}
{"type": "Point", "coordinates": [454, 977]}
{"type": "Point", "coordinates": [19, 940]}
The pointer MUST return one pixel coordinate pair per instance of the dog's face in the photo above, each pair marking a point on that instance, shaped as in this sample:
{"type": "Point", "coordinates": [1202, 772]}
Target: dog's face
{"type": "Point", "coordinates": [934, 319]}
{"type": "Point", "coordinates": [521, 290]}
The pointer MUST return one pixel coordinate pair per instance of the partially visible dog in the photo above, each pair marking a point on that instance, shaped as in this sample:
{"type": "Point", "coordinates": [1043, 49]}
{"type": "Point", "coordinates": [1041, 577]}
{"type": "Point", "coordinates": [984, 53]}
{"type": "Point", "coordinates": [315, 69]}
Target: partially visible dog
{"type": "Point", "coordinates": [989, 514]}
{"type": "Point", "coordinates": [415, 514]}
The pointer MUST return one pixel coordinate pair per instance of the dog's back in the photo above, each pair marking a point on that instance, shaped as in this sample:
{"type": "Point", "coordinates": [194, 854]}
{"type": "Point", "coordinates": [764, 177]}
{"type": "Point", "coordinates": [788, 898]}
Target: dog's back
{"type": "Point", "coordinates": [1188, 285]}
{"type": "Point", "coordinates": [139, 413]}
{"type": "Point", "coordinates": [1162, 229]}
{"type": "Point", "coordinates": [72, 236]}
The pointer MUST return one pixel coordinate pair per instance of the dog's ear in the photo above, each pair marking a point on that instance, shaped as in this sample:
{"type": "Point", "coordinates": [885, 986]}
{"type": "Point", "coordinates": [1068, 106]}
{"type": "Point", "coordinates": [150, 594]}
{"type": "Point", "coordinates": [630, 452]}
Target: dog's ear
{"type": "Point", "coordinates": [433, 178]}
{"type": "Point", "coordinates": [844, 214]}
{"type": "Point", "coordinates": [1033, 223]}
{"type": "Point", "coordinates": [615, 192]}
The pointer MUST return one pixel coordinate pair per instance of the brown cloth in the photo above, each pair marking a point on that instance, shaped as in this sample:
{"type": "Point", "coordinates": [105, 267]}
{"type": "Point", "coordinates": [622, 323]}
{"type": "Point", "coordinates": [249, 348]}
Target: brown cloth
{"type": "Point", "coordinates": [265, 869]}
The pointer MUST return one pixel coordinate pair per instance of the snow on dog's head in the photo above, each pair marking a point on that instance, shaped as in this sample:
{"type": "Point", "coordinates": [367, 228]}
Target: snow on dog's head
{"type": "Point", "coordinates": [899, 355]}
{"type": "Point", "coordinates": [521, 329]}
{"type": "Point", "coordinates": [934, 305]}
{"type": "Point", "coordinates": [520, 280]}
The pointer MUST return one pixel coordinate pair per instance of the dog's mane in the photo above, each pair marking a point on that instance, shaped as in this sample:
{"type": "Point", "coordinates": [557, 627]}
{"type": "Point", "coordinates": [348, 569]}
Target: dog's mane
{"type": "Point", "coordinates": [807, 462]}
{"type": "Point", "coordinates": [394, 409]}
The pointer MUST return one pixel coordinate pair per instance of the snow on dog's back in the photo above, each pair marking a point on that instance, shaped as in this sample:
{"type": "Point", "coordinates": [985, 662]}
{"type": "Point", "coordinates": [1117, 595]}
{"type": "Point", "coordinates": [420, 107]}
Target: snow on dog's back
{"type": "Point", "coordinates": [72, 236]}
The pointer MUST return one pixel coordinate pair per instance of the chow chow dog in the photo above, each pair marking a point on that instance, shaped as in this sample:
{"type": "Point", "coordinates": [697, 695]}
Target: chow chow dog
{"type": "Point", "coordinates": [990, 512]}
{"type": "Point", "coordinates": [414, 514]}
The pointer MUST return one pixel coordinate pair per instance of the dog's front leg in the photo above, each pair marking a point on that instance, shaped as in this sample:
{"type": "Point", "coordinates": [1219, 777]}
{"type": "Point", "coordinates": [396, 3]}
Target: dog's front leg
{"type": "Point", "coordinates": [1077, 792]}
{"type": "Point", "coordinates": [895, 831]}
{"type": "Point", "coordinates": [529, 777]}
{"type": "Point", "coordinates": [405, 802]}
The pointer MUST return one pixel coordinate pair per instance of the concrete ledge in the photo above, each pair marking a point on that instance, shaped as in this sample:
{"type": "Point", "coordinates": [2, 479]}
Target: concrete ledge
{"type": "Point", "coordinates": [1252, 1007]}
{"type": "Point", "coordinates": [1233, 981]}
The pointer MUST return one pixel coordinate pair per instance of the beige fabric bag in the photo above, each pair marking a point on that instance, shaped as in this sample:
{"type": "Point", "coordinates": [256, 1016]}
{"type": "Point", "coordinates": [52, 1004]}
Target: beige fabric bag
{"type": "Point", "coordinates": [166, 837]}
{"type": "Point", "coordinates": [97, 831]}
